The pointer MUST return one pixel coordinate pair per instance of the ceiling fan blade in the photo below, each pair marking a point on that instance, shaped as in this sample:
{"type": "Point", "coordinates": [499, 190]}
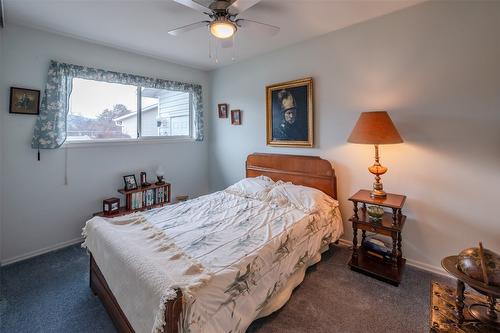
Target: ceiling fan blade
{"type": "Point", "coordinates": [239, 6]}
{"type": "Point", "coordinates": [194, 5]}
{"type": "Point", "coordinates": [226, 43]}
{"type": "Point", "coordinates": [258, 26]}
{"type": "Point", "coordinates": [189, 27]}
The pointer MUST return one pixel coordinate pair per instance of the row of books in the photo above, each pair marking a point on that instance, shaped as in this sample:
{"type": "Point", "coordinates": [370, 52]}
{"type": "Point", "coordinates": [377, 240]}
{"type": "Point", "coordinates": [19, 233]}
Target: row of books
{"type": "Point", "coordinates": [147, 198]}
{"type": "Point", "coordinates": [377, 248]}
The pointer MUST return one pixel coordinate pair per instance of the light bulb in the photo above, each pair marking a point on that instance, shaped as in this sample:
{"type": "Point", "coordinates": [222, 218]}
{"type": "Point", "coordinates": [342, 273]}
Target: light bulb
{"type": "Point", "coordinates": [160, 171]}
{"type": "Point", "coordinates": [222, 28]}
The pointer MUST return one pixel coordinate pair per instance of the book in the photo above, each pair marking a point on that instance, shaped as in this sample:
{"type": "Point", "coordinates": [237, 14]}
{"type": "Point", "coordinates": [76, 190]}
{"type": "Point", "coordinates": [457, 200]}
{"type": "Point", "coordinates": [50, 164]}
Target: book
{"type": "Point", "coordinates": [377, 246]}
{"type": "Point", "coordinates": [378, 255]}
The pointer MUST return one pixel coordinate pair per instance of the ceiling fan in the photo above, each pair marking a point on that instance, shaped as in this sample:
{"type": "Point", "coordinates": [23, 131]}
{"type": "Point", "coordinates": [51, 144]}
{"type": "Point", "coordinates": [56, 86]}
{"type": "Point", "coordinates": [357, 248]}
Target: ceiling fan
{"type": "Point", "coordinates": [223, 22]}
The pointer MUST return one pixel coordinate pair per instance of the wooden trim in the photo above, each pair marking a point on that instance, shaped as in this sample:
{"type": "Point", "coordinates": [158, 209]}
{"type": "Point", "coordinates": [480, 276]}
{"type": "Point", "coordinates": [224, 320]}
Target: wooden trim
{"type": "Point", "coordinates": [311, 171]}
{"type": "Point", "coordinates": [100, 288]}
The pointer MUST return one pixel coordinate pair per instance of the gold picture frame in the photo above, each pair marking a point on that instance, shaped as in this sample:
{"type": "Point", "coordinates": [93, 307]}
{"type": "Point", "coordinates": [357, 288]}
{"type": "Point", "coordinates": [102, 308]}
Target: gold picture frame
{"type": "Point", "coordinates": [289, 114]}
{"type": "Point", "coordinates": [24, 101]}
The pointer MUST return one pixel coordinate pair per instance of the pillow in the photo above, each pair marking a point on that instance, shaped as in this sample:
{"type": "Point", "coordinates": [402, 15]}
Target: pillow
{"type": "Point", "coordinates": [256, 188]}
{"type": "Point", "coordinates": [304, 198]}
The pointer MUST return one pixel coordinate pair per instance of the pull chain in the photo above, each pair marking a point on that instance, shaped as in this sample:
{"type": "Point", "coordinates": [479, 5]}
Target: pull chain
{"type": "Point", "coordinates": [209, 44]}
{"type": "Point", "coordinates": [234, 48]}
{"type": "Point", "coordinates": [217, 51]}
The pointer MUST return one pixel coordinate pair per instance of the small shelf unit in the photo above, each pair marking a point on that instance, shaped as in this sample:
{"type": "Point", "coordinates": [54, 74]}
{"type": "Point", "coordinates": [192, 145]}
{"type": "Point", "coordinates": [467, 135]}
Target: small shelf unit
{"type": "Point", "coordinates": [160, 197]}
{"type": "Point", "coordinates": [146, 197]}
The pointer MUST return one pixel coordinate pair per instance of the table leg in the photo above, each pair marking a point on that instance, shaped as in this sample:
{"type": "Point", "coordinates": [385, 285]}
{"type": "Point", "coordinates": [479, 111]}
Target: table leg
{"type": "Point", "coordinates": [394, 217]}
{"type": "Point", "coordinates": [400, 241]}
{"type": "Point", "coordinates": [355, 203]}
{"type": "Point", "coordinates": [459, 301]}
{"type": "Point", "coordinates": [491, 313]}
{"type": "Point", "coordinates": [394, 250]}
{"type": "Point", "coordinates": [363, 236]}
{"type": "Point", "coordinates": [354, 240]}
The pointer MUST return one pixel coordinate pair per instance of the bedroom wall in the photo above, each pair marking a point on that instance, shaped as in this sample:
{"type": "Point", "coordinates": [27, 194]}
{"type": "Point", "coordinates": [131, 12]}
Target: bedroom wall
{"type": "Point", "coordinates": [40, 212]}
{"type": "Point", "coordinates": [435, 68]}
{"type": "Point", "coordinates": [2, 99]}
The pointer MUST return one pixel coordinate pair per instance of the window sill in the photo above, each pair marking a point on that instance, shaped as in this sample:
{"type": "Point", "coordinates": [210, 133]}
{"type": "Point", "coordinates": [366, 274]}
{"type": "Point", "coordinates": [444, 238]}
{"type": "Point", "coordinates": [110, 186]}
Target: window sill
{"type": "Point", "coordinates": [141, 141]}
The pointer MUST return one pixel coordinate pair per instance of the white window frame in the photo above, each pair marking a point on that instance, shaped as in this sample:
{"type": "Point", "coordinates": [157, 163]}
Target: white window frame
{"type": "Point", "coordinates": [139, 139]}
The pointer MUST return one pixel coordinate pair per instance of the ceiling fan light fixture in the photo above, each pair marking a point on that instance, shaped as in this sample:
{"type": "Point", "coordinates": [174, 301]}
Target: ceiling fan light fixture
{"type": "Point", "coordinates": [222, 28]}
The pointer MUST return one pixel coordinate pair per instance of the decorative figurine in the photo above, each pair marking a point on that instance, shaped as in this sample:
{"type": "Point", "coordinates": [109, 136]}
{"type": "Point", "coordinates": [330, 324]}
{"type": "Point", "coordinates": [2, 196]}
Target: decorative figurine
{"type": "Point", "coordinates": [144, 182]}
{"type": "Point", "coordinates": [159, 175]}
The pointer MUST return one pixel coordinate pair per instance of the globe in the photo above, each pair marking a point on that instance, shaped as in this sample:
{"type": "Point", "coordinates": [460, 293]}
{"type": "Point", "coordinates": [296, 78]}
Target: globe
{"type": "Point", "coordinates": [469, 262]}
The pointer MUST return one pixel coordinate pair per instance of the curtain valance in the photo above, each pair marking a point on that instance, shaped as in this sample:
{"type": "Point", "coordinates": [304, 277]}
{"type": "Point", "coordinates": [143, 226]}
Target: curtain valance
{"type": "Point", "coordinates": [50, 127]}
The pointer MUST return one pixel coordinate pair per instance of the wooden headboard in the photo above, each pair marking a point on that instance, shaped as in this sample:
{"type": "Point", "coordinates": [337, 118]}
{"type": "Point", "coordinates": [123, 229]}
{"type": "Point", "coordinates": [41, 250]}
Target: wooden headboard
{"type": "Point", "coordinates": [311, 171]}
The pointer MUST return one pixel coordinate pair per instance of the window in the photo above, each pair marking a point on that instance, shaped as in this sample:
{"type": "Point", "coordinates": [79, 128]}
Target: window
{"type": "Point", "coordinates": [103, 111]}
{"type": "Point", "coordinates": [165, 112]}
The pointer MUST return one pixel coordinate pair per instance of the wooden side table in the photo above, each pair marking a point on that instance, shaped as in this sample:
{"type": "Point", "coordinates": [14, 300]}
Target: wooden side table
{"type": "Point", "coordinates": [391, 225]}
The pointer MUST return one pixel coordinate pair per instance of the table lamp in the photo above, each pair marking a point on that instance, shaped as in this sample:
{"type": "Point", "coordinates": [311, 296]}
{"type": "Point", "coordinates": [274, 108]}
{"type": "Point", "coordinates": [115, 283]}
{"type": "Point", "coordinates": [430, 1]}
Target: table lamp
{"type": "Point", "coordinates": [375, 128]}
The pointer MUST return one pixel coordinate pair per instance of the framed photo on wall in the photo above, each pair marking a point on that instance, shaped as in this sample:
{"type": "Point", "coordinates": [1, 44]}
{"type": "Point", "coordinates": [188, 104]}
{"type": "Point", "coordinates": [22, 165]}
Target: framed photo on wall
{"type": "Point", "coordinates": [24, 101]}
{"type": "Point", "coordinates": [235, 117]}
{"type": "Point", "coordinates": [222, 110]}
{"type": "Point", "coordinates": [289, 114]}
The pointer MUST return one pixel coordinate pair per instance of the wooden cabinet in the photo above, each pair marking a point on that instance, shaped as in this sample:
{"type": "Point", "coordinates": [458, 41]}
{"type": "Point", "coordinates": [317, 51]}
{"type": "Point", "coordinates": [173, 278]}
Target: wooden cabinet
{"type": "Point", "coordinates": [391, 225]}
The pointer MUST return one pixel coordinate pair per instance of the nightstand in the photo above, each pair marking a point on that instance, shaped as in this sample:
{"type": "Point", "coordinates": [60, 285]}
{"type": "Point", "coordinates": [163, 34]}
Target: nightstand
{"type": "Point", "coordinates": [391, 225]}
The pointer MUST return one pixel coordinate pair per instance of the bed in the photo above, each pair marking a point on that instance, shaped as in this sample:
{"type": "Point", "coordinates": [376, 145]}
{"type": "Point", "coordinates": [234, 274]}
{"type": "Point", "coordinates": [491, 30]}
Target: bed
{"type": "Point", "coordinates": [217, 271]}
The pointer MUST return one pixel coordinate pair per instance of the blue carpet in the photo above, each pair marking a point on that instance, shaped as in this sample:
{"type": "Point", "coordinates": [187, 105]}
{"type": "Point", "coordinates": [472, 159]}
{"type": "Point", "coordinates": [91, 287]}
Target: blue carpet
{"type": "Point", "coordinates": [51, 293]}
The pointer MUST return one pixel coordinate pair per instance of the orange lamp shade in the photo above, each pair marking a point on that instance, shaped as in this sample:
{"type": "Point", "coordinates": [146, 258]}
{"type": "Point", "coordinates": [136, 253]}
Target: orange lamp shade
{"type": "Point", "coordinates": [376, 128]}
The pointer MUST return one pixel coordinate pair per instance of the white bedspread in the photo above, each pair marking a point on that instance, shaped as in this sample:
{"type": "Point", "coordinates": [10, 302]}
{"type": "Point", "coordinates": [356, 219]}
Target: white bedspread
{"type": "Point", "coordinates": [230, 256]}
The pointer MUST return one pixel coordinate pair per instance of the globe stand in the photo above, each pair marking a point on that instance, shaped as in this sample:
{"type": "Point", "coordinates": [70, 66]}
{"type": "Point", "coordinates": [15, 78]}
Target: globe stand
{"type": "Point", "coordinates": [486, 313]}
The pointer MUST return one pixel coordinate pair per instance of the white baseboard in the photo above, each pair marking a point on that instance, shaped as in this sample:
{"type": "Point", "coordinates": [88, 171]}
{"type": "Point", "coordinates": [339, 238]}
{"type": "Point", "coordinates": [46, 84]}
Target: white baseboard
{"type": "Point", "coordinates": [410, 262]}
{"type": "Point", "coordinates": [41, 251]}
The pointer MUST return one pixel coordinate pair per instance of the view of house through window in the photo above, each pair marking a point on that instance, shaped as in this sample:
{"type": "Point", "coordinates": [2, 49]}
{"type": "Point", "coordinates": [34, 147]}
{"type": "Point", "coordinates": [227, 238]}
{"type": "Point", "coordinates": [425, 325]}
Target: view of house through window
{"type": "Point", "coordinates": [101, 110]}
{"type": "Point", "coordinates": [165, 112]}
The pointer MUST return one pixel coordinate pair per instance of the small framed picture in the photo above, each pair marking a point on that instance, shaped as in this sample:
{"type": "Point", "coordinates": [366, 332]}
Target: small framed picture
{"type": "Point", "coordinates": [24, 101]}
{"type": "Point", "coordinates": [235, 117]}
{"type": "Point", "coordinates": [222, 110]}
{"type": "Point", "coordinates": [110, 206]}
{"type": "Point", "coordinates": [130, 182]}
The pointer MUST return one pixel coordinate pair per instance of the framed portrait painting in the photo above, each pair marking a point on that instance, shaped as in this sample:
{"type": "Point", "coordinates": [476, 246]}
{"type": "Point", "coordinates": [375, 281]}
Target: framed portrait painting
{"type": "Point", "coordinates": [223, 108]}
{"type": "Point", "coordinates": [289, 114]}
{"type": "Point", "coordinates": [24, 101]}
{"type": "Point", "coordinates": [235, 117]}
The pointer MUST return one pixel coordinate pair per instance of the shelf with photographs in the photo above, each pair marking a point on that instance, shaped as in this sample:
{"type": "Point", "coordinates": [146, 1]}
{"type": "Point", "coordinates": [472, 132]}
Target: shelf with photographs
{"type": "Point", "coordinates": [141, 198]}
{"type": "Point", "coordinates": [146, 197]}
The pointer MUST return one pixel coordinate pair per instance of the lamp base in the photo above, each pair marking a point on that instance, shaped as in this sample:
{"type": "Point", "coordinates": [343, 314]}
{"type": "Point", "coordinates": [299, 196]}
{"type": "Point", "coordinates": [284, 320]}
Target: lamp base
{"type": "Point", "coordinates": [377, 170]}
{"type": "Point", "coordinates": [378, 194]}
{"type": "Point", "coordinates": [378, 190]}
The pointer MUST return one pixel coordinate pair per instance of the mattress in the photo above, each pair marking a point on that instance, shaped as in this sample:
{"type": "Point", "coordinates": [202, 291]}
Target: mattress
{"type": "Point", "coordinates": [234, 258]}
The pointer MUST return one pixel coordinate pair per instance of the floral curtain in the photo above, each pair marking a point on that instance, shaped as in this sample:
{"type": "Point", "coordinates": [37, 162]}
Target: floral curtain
{"type": "Point", "coordinates": [50, 127]}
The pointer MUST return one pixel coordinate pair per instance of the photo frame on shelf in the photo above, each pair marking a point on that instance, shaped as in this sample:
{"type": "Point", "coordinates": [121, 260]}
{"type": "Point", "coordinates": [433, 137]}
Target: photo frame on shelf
{"type": "Point", "coordinates": [130, 182]}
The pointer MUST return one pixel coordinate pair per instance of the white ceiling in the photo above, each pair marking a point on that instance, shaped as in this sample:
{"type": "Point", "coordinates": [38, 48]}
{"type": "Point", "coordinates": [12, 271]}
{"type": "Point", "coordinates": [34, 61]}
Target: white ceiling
{"type": "Point", "coordinates": [141, 26]}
